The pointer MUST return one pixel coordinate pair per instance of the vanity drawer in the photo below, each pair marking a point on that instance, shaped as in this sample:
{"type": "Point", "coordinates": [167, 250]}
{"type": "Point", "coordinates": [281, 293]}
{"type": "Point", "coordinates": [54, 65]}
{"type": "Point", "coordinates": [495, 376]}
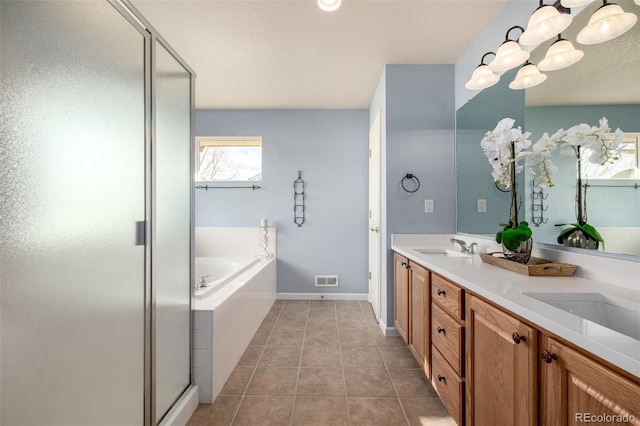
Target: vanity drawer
{"type": "Point", "coordinates": [448, 337]}
{"type": "Point", "coordinates": [449, 386]}
{"type": "Point", "coordinates": [448, 295]}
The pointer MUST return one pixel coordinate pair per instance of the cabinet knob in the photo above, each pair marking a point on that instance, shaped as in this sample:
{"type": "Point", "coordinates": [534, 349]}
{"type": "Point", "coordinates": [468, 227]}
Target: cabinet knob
{"type": "Point", "coordinates": [440, 330]}
{"type": "Point", "coordinates": [518, 338]}
{"type": "Point", "coordinates": [441, 378]}
{"type": "Point", "coordinates": [404, 264]}
{"type": "Point", "coordinates": [440, 292]}
{"type": "Point", "coordinates": [548, 356]}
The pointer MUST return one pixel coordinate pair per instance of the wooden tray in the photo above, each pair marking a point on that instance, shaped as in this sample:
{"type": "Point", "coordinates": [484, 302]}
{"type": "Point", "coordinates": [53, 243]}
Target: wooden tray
{"type": "Point", "coordinates": [535, 267]}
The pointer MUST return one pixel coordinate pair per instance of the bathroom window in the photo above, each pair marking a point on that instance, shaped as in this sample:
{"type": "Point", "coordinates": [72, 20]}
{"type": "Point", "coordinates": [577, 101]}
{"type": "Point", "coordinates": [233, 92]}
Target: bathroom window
{"type": "Point", "coordinates": [229, 159]}
{"type": "Point", "coordinates": [625, 168]}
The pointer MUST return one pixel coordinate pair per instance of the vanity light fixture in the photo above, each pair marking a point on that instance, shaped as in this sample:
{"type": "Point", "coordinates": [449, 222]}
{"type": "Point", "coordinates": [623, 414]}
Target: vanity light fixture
{"type": "Point", "coordinates": [329, 5]}
{"type": "Point", "coordinates": [606, 23]}
{"type": "Point", "coordinates": [560, 54]}
{"type": "Point", "coordinates": [482, 76]}
{"type": "Point", "coordinates": [528, 76]}
{"type": "Point", "coordinates": [509, 54]}
{"type": "Point", "coordinates": [546, 22]}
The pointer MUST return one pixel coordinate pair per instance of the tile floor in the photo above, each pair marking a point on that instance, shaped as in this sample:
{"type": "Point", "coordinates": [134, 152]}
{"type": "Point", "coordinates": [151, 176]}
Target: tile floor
{"type": "Point", "coordinates": [324, 363]}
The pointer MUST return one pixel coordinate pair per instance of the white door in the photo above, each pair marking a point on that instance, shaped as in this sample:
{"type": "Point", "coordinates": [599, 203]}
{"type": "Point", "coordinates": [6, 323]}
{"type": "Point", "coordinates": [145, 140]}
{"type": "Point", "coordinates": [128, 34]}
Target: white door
{"type": "Point", "coordinates": [374, 215]}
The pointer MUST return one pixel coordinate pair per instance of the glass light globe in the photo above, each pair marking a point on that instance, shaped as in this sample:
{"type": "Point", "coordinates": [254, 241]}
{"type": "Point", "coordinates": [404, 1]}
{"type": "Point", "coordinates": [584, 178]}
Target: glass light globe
{"type": "Point", "coordinates": [527, 77]}
{"type": "Point", "coordinates": [606, 23]}
{"type": "Point", "coordinates": [561, 54]}
{"type": "Point", "coordinates": [481, 78]}
{"type": "Point", "coordinates": [509, 56]}
{"type": "Point", "coordinates": [546, 22]}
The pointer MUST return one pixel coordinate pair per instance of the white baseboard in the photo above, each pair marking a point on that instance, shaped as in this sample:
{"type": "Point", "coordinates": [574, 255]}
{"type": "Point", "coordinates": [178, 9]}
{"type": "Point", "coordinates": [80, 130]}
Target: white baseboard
{"type": "Point", "coordinates": [388, 331]}
{"type": "Point", "coordinates": [322, 296]}
{"type": "Point", "coordinates": [182, 410]}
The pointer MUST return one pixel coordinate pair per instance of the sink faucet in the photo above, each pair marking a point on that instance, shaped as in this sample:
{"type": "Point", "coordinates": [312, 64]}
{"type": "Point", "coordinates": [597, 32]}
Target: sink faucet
{"type": "Point", "coordinates": [203, 282]}
{"type": "Point", "coordinates": [464, 248]}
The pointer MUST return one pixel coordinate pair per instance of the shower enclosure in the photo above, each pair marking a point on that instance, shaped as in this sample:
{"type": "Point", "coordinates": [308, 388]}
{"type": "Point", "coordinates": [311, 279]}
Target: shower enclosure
{"type": "Point", "coordinates": [96, 216]}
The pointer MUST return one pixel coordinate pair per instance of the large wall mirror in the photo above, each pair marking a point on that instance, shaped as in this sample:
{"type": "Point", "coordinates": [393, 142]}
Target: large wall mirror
{"type": "Point", "coordinates": [604, 83]}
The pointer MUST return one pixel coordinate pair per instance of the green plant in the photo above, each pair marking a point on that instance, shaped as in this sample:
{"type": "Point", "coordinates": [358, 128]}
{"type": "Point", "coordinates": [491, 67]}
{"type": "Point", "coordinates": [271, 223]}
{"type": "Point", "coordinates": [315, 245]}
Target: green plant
{"type": "Point", "coordinates": [512, 237]}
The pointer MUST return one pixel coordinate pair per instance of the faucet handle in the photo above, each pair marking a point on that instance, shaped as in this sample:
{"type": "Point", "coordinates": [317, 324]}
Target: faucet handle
{"type": "Point", "coordinates": [473, 248]}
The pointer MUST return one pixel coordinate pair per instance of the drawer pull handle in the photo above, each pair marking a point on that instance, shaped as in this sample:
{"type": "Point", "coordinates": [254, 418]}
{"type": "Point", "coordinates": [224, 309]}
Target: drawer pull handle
{"type": "Point", "coordinates": [440, 292]}
{"type": "Point", "coordinates": [404, 263]}
{"type": "Point", "coordinates": [441, 378]}
{"type": "Point", "coordinates": [548, 357]}
{"type": "Point", "coordinates": [440, 330]}
{"type": "Point", "coordinates": [518, 338]}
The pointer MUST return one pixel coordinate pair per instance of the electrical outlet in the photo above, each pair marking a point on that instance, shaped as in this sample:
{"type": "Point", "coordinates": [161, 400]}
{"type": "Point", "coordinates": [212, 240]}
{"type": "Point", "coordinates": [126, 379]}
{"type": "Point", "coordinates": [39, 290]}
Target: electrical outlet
{"type": "Point", "coordinates": [428, 206]}
{"type": "Point", "coordinates": [482, 206]}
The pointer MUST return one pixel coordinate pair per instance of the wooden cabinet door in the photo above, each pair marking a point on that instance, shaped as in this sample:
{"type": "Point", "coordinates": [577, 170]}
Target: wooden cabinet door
{"type": "Point", "coordinates": [576, 389]}
{"type": "Point", "coordinates": [501, 368]}
{"type": "Point", "coordinates": [419, 315]}
{"type": "Point", "coordinates": [401, 295]}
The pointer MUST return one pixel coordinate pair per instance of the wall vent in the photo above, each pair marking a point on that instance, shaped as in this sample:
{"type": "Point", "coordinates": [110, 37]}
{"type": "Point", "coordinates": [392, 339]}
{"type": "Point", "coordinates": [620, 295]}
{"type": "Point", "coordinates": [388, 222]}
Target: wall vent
{"type": "Point", "coordinates": [327, 281]}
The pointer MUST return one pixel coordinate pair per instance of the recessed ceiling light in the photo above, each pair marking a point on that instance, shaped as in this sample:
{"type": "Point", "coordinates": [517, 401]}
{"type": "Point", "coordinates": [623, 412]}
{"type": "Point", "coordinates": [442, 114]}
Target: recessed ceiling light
{"type": "Point", "coordinates": [329, 5]}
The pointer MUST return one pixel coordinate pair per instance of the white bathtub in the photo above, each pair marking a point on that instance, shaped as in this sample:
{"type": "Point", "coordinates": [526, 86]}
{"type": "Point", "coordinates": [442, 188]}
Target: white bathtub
{"type": "Point", "coordinates": [218, 271]}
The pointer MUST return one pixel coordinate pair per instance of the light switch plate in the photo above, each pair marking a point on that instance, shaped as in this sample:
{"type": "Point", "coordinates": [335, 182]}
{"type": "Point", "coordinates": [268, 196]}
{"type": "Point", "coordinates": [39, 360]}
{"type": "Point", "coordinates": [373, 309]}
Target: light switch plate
{"type": "Point", "coordinates": [482, 206]}
{"type": "Point", "coordinates": [428, 206]}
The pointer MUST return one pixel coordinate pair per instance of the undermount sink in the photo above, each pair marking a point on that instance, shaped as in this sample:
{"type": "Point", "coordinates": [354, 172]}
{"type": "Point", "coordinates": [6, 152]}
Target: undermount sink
{"type": "Point", "coordinates": [443, 252]}
{"type": "Point", "coordinates": [611, 312]}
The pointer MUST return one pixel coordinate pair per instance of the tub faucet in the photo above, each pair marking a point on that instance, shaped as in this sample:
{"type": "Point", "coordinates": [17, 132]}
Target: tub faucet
{"type": "Point", "coordinates": [203, 282]}
{"type": "Point", "coordinates": [464, 248]}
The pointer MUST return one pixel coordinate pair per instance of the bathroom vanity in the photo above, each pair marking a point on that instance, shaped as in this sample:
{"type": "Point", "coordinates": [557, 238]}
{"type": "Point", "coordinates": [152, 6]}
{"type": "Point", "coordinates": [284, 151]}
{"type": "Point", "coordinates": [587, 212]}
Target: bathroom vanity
{"type": "Point", "coordinates": [504, 348]}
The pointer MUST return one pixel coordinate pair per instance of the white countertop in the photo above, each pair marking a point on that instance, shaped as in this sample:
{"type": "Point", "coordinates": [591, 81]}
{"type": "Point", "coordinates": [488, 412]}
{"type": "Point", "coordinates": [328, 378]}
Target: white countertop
{"type": "Point", "coordinates": [506, 288]}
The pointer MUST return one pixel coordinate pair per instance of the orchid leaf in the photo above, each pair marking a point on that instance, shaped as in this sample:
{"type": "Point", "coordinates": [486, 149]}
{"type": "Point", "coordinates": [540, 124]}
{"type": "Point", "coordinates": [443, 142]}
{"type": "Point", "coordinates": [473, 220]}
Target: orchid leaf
{"type": "Point", "coordinates": [592, 232]}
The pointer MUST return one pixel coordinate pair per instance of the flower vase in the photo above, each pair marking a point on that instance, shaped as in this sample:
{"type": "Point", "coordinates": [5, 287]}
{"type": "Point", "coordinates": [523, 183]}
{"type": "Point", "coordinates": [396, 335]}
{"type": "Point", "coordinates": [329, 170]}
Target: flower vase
{"type": "Point", "coordinates": [579, 239]}
{"type": "Point", "coordinates": [521, 254]}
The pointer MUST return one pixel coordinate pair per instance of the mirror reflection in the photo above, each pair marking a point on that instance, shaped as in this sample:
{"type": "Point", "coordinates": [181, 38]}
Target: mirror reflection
{"type": "Point", "coordinates": [604, 83]}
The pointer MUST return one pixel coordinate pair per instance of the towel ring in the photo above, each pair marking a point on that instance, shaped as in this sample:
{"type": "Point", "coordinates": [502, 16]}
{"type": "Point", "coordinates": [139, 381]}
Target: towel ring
{"type": "Point", "coordinates": [412, 177]}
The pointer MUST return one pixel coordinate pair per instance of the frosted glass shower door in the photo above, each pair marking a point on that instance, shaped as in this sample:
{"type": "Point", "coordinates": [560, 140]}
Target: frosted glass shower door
{"type": "Point", "coordinates": [172, 230]}
{"type": "Point", "coordinates": [72, 186]}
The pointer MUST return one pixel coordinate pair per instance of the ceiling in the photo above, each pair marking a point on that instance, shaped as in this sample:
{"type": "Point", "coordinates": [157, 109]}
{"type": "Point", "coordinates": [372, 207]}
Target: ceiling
{"type": "Point", "coordinates": [288, 54]}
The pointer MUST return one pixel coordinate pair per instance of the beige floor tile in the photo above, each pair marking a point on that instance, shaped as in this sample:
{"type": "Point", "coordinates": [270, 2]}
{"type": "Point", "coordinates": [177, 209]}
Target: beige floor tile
{"type": "Point", "coordinates": [320, 382]}
{"type": "Point", "coordinates": [281, 356]}
{"type": "Point", "coordinates": [329, 313]}
{"type": "Point", "coordinates": [251, 356]}
{"type": "Point", "coordinates": [261, 336]}
{"type": "Point", "coordinates": [221, 412]}
{"type": "Point", "coordinates": [321, 356]}
{"type": "Point", "coordinates": [387, 341]}
{"type": "Point", "coordinates": [411, 384]}
{"type": "Point", "coordinates": [353, 323]}
{"type": "Point", "coordinates": [322, 304]}
{"type": "Point", "coordinates": [238, 381]}
{"type": "Point", "coordinates": [273, 382]}
{"type": "Point", "coordinates": [430, 412]}
{"type": "Point", "coordinates": [295, 323]}
{"type": "Point", "coordinates": [279, 303]}
{"type": "Point", "coordinates": [268, 322]}
{"type": "Point", "coordinates": [398, 357]}
{"type": "Point", "coordinates": [286, 337]}
{"type": "Point", "coordinates": [321, 337]}
{"type": "Point", "coordinates": [320, 411]}
{"type": "Point", "coordinates": [366, 356]}
{"type": "Point", "coordinates": [295, 312]}
{"type": "Point", "coordinates": [297, 304]}
{"type": "Point", "coordinates": [264, 411]}
{"type": "Point", "coordinates": [376, 412]}
{"type": "Point", "coordinates": [355, 337]}
{"type": "Point", "coordinates": [314, 323]}
{"type": "Point", "coordinates": [368, 382]}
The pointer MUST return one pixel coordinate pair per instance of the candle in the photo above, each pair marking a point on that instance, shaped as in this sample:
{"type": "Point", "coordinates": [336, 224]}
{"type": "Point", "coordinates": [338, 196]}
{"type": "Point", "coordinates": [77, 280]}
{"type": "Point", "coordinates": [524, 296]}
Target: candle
{"type": "Point", "coordinates": [264, 223]}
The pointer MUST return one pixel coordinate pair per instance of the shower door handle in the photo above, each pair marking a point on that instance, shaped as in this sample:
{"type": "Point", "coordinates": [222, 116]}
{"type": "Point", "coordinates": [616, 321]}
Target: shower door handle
{"type": "Point", "coordinates": [140, 237]}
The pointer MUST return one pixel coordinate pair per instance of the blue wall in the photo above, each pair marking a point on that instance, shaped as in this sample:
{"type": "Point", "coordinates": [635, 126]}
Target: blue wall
{"type": "Point", "coordinates": [331, 149]}
{"type": "Point", "coordinates": [418, 138]}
